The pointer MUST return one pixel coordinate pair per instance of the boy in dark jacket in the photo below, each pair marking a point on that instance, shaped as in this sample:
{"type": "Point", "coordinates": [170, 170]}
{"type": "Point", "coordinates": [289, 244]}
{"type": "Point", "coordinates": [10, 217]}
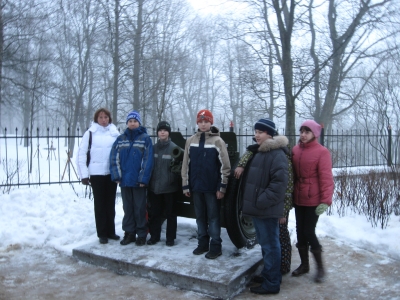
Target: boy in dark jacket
{"type": "Point", "coordinates": [131, 163]}
{"type": "Point", "coordinates": [205, 171]}
{"type": "Point", "coordinates": [284, 235]}
{"type": "Point", "coordinates": [163, 187]}
{"type": "Point", "coordinates": [265, 182]}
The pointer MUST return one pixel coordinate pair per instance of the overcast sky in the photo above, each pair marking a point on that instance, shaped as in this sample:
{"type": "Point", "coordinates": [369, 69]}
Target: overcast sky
{"type": "Point", "coordinates": [215, 6]}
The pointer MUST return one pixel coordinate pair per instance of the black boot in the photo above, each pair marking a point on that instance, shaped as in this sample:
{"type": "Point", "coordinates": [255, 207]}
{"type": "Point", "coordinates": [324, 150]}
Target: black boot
{"type": "Point", "coordinates": [305, 263]}
{"type": "Point", "coordinates": [128, 238]}
{"type": "Point", "coordinates": [320, 276]}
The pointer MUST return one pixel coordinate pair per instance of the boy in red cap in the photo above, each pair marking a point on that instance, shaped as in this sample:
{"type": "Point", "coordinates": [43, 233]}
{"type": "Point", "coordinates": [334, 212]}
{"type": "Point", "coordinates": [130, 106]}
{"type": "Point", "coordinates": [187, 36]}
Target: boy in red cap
{"type": "Point", "coordinates": [205, 171]}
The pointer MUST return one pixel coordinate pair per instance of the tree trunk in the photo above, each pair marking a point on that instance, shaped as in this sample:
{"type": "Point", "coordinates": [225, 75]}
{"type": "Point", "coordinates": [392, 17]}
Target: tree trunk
{"type": "Point", "coordinates": [137, 56]}
{"type": "Point", "coordinates": [116, 62]}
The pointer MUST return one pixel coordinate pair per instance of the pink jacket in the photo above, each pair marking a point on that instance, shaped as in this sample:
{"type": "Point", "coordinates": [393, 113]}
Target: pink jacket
{"type": "Point", "coordinates": [313, 179]}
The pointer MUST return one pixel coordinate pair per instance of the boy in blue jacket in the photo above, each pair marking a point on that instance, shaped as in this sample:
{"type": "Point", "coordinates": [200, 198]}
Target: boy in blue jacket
{"type": "Point", "coordinates": [131, 164]}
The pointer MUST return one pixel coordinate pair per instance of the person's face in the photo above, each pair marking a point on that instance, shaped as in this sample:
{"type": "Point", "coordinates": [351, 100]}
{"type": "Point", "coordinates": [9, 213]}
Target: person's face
{"type": "Point", "coordinates": [163, 134]}
{"type": "Point", "coordinates": [261, 136]}
{"type": "Point", "coordinates": [306, 136]}
{"type": "Point", "coordinates": [103, 119]}
{"type": "Point", "coordinates": [133, 124]}
{"type": "Point", "coordinates": [204, 125]}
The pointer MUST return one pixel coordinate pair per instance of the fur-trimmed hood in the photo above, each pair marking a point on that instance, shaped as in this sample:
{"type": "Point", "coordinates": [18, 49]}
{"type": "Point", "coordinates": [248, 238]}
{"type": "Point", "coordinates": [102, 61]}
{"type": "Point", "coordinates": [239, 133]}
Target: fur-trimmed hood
{"type": "Point", "coordinates": [279, 141]}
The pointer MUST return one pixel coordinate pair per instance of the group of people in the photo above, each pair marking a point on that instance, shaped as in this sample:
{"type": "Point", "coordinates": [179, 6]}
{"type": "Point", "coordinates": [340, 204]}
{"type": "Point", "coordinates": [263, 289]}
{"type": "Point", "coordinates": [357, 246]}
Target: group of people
{"type": "Point", "coordinates": [272, 177]}
{"type": "Point", "coordinates": [107, 158]}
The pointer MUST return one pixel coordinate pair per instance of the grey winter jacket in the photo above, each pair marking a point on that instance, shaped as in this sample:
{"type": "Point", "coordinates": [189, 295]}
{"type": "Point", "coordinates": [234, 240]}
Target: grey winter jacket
{"type": "Point", "coordinates": [162, 179]}
{"type": "Point", "coordinates": [266, 179]}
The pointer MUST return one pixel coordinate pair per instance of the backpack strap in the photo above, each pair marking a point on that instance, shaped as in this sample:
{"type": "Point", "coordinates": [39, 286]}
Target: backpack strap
{"type": "Point", "coordinates": [88, 151]}
{"type": "Point", "coordinates": [90, 141]}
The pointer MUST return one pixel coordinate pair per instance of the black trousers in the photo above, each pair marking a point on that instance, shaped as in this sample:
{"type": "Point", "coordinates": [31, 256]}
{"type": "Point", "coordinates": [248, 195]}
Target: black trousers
{"type": "Point", "coordinates": [306, 221]}
{"type": "Point", "coordinates": [162, 206]}
{"type": "Point", "coordinates": [104, 191]}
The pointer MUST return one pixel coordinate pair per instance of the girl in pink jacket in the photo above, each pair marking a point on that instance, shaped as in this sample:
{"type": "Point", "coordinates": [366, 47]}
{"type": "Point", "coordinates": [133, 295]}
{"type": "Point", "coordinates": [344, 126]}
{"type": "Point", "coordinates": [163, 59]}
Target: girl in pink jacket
{"type": "Point", "coordinates": [313, 190]}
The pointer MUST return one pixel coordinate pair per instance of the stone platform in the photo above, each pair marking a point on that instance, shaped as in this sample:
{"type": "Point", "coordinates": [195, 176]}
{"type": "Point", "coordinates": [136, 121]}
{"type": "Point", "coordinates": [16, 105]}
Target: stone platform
{"type": "Point", "coordinates": [176, 266]}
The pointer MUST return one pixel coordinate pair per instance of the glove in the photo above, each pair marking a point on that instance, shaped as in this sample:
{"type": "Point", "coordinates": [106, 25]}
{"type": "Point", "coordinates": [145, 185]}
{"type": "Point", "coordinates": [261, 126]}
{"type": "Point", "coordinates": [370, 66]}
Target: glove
{"type": "Point", "coordinates": [85, 181]}
{"type": "Point", "coordinates": [321, 209]}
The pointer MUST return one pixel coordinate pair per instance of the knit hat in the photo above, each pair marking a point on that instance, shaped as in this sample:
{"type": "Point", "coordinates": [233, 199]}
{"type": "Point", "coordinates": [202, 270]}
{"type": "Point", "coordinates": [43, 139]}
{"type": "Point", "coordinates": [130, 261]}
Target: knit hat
{"type": "Point", "coordinates": [314, 126]}
{"type": "Point", "coordinates": [266, 125]}
{"type": "Point", "coordinates": [205, 114]}
{"type": "Point", "coordinates": [134, 115]}
{"type": "Point", "coordinates": [164, 125]}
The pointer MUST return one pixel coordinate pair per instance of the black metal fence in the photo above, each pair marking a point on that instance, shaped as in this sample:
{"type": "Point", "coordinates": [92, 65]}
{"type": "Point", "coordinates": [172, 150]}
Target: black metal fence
{"type": "Point", "coordinates": [35, 157]}
{"type": "Point", "coordinates": [349, 148]}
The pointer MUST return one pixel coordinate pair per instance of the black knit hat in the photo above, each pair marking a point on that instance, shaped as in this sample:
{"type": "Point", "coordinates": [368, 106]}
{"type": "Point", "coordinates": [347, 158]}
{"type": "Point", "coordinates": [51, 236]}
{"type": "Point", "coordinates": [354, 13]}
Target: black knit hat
{"type": "Point", "coordinates": [266, 125]}
{"type": "Point", "coordinates": [164, 125]}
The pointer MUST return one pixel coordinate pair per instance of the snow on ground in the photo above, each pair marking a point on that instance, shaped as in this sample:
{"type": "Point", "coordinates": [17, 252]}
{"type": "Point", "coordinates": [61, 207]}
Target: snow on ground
{"type": "Point", "coordinates": [60, 217]}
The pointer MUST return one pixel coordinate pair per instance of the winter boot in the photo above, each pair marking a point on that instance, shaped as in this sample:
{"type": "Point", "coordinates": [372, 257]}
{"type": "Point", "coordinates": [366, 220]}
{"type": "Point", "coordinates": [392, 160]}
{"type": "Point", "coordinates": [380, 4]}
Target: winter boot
{"type": "Point", "coordinates": [128, 238]}
{"type": "Point", "coordinates": [305, 264]}
{"type": "Point", "coordinates": [320, 276]}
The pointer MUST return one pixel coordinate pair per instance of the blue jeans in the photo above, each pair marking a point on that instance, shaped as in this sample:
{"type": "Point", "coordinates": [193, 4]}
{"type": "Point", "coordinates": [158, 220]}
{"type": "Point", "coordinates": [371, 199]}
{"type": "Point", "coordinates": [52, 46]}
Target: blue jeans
{"type": "Point", "coordinates": [267, 231]}
{"type": "Point", "coordinates": [207, 208]}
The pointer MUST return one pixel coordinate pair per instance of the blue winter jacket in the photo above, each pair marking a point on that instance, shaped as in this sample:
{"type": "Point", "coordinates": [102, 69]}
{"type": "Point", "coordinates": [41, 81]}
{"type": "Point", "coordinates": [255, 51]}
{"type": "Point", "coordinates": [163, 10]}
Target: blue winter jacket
{"type": "Point", "coordinates": [131, 158]}
{"type": "Point", "coordinates": [205, 166]}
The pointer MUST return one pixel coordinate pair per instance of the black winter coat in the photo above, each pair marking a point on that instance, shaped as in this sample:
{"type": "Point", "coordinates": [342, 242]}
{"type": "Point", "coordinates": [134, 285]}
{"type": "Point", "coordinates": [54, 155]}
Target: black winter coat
{"type": "Point", "coordinates": [266, 179]}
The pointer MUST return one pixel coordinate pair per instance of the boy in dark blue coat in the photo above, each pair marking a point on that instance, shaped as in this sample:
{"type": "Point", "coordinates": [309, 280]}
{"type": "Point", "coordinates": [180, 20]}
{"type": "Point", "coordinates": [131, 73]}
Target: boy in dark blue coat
{"type": "Point", "coordinates": [205, 171]}
{"type": "Point", "coordinates": [131, 164]}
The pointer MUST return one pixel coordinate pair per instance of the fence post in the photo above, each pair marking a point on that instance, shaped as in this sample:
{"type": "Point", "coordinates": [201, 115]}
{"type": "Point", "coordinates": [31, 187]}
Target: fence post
{"type": "Point", "coordinates": [389, 159]}
{"type": "Point", "coordinates": [5, 144]}
{"type": "Point", "coordinates": [322, 142]}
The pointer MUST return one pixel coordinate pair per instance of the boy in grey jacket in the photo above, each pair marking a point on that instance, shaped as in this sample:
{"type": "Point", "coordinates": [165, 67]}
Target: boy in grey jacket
{"type": "Point", "coordinates": [163, 187]}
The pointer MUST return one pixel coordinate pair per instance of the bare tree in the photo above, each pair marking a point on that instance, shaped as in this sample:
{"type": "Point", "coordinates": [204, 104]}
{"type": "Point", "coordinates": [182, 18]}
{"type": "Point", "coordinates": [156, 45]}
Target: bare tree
{"type": "Point", "coordinates": [116, 60]}
{"type": "Point", "coordinates": [1, 52]}
{"type": "Point", "coordinates": [348, 28]}
{"type": "Point", "coordinates": [162, 59]}
{"type": "Point", "coordinates": [137, 48]}
{"type": "Point", "coordinates": [200, 63]}
{"type": "Point", "coordinates": [350, 48]}
{"type": "Point", "coordinates": [285, 14]}
{"type": "Point", "coordinates": [112, 13]}
{"type": "Point", "coordinates": [75, 48]}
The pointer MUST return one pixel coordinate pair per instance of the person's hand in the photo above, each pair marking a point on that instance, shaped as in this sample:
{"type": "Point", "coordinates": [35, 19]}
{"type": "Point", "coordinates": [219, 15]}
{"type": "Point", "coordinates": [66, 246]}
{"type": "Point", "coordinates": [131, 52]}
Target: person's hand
{"type": "Point", "coordinates": [187, 194]}
{"type": "Point", "coordinates": [142, 185]}
{"type": "Point", "coordinates": [238, 172]}
{"type": "Point", "coordinates": [220, 195]}
{"type": "Point", "coordinates": [85, 181]}
{"type": "Point", "coordinates": [321, 209]}
{"type": "Point", "coordinates": [282, 220]}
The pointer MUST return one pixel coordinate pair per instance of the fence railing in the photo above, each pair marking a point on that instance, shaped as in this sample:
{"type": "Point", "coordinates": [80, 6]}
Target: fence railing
{"type": "Point", "coordinates": [35, 157]}
{"type": "Point", "coordinates": [349, 148]}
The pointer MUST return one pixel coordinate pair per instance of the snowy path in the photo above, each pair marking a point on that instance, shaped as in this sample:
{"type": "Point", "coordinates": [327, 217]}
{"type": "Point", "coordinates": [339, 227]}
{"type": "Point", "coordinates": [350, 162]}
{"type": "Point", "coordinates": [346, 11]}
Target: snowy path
{"type": "Point", "coordinates": [44, 273]}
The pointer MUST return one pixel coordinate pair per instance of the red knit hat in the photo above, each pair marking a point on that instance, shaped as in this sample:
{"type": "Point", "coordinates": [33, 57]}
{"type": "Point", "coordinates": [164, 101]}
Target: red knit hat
{"type": "Point", "coordinates": [205, 114]}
